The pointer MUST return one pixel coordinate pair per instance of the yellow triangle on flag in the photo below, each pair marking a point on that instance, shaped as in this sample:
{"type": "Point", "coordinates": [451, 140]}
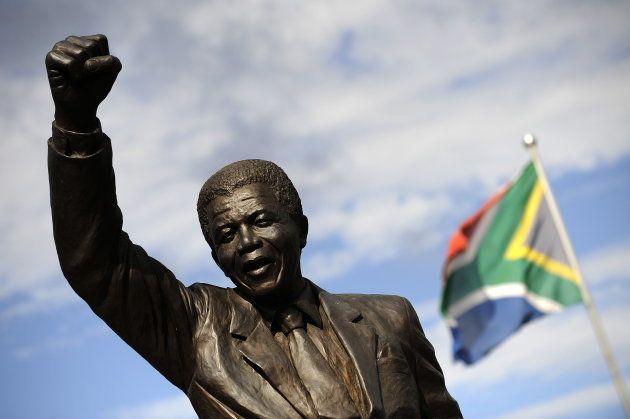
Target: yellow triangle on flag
{"type": "Point", "coordinates": [518, 248]}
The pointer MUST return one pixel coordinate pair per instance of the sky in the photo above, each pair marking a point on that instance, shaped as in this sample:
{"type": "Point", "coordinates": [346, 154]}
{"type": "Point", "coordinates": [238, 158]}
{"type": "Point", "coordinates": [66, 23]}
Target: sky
{"type": "Point", "coordinates": [394, 119]}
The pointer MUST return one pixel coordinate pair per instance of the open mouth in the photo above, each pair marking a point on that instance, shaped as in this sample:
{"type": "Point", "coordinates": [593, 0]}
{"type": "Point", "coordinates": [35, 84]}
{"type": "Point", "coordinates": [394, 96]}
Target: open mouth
{"type": "Point", "coordinates": [258, 266]}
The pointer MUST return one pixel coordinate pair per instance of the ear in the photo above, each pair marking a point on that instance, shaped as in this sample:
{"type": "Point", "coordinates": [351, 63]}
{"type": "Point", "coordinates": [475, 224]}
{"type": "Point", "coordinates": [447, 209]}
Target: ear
{"type": "Point", "coordinates": [303, 225]}
{"type": "Point", "coordinates": [216, 260]}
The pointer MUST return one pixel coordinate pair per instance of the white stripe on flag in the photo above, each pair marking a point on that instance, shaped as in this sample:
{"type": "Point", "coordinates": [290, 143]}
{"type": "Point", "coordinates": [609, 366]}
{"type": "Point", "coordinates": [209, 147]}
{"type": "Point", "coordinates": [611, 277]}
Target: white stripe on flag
{"type": "Point", "coordinates": [495, 292]}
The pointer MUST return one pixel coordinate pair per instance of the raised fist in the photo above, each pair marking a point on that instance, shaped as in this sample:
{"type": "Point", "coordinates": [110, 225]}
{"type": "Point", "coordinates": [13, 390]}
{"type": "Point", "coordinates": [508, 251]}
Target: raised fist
{"type": "Point", "coordinates": [81, 73]}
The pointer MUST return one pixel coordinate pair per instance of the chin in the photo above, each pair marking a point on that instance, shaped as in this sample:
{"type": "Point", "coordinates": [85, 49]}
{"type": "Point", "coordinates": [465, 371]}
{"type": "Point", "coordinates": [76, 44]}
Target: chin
{"type": "Point", "coordinates": [274, 285]}
{"type": "Point", "coordinates": [259, 287]}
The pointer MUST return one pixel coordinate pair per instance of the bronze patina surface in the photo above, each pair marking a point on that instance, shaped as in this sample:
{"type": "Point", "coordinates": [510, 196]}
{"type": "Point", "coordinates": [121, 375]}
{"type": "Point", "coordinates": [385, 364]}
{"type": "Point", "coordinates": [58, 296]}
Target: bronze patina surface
{"type": "Point", "coordinates": [276, 345]}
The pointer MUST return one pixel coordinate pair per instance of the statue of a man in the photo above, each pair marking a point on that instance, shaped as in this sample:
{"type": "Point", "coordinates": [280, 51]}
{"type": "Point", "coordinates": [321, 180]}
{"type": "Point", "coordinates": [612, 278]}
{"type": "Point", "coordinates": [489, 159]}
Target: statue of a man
{"type": "Point", "coordinates": [277, 345]}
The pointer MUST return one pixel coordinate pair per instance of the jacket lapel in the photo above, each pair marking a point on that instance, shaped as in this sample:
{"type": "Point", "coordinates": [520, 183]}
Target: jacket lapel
{"type": "Point", "coordinates": [254, 341]}
{"type": "Point", "coordinates": [359, 340]}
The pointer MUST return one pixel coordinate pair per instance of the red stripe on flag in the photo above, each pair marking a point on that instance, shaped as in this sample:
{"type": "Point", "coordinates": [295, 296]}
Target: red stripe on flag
{"type": "Point", "coordinates": [461, 238]}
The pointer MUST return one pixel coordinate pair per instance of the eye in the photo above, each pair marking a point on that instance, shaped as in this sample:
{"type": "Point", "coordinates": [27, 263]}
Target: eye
{"type": "Point", "coordinates": [263, 222]}
{"type": "Point", "coordinates": [225, 235]}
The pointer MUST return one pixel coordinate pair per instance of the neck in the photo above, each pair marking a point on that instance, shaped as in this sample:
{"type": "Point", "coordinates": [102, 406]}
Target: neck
{"type": "Point", "coordinates": [284, 296]}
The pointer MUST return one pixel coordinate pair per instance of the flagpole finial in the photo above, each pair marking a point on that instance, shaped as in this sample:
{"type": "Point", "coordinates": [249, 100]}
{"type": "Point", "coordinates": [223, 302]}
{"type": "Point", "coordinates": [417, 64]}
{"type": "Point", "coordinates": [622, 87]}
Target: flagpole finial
{"type": "Point", "coordinates": [529, 140]}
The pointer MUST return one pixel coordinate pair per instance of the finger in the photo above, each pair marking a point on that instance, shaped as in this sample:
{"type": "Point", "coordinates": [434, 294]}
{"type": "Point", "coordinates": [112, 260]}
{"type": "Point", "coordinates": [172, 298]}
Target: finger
{"type": "Point", "coordinates": [92, 48]}
{"type": "Point", "coordinates": [103, 64]}
{"type": "Point", "coordinates": [60, 67]}
{"type": "Point", "coordinates": [101, 40]}
{"type": "Point", "coordinates": [80, 41]}
{"type": "Point", "coordinates": [57, 60]}
{"type": "Point", "coordinates": [84, 43]}
{"type": "Point", "coordinates": [71, 50]}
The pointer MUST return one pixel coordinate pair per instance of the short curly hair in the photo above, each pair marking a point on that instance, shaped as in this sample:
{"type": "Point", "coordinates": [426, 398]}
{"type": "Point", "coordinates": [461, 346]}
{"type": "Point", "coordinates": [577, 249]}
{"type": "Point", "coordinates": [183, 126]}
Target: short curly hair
{"type": "Point", "coordinates": [245, 172]}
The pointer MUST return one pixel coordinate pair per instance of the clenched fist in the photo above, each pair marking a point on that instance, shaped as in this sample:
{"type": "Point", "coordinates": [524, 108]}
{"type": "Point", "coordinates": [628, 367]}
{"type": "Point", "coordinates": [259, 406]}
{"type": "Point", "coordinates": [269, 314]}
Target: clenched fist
{"type": "Point", "coordinates": [81, 73]}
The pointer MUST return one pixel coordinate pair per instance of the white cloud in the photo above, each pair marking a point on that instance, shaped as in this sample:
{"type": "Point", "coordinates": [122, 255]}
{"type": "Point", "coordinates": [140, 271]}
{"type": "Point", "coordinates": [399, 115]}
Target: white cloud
{"type": "Point", "coordinates": [579, 403]}
{"type": "Point", "coordinates": [177, 407]}
{"type": "Point", "coordinates": [27, 256]}
{"type": "Point", "coordinates": [428, 312]}
{"type": "Point", "coordinates": [43, 298]}
{"type": "Point", "coordinates": [610, 262]}
{"type": "Point", "coordinates": [402, 223]}
{"type": "Point", "coordinates": [62, 339]}
{"type": "Point", "coordinates": [377, 110]}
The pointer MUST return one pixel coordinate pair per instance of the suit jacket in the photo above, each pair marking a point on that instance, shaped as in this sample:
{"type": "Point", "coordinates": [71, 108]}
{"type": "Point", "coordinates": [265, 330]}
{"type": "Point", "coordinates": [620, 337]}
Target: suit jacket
{"type": "Point", "coordinates": [212, 343]}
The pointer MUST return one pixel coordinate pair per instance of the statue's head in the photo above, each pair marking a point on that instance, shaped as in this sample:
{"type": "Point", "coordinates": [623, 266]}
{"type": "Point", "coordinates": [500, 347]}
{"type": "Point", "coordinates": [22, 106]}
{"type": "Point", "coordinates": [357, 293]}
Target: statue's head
{"type": "Point", "coordinates": [251, 216]}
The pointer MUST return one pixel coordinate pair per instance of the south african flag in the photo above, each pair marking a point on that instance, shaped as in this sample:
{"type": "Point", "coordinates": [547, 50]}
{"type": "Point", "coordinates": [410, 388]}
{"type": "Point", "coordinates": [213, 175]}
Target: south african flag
{"type": "Point", "coordinates": [505, 267]}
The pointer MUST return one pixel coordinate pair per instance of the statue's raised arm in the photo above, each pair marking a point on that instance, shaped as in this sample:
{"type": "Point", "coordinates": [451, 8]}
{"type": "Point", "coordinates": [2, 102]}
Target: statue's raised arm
{"type": "Point", "coordinates": [134, 294]}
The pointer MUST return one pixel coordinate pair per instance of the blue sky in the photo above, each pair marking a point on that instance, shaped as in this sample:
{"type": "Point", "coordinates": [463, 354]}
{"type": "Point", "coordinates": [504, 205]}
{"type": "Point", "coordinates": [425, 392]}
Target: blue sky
{"type": "Point", "coordinates": [395, 120]}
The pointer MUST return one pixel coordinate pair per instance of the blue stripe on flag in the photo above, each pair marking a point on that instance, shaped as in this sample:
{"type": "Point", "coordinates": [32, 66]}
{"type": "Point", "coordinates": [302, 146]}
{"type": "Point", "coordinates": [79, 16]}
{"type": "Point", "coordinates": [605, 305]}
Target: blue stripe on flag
{"type": "Point", "coordinates": [484, 326]}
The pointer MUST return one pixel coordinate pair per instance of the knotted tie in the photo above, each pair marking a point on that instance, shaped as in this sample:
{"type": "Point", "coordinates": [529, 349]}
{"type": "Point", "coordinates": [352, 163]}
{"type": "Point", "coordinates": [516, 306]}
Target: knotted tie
{"type": "Point", "coordinates": [329, 395]}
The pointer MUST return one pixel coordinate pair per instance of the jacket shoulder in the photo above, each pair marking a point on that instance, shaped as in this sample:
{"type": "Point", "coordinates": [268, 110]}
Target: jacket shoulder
{"type": "Point", "coordinates": [389, 313]}
{"type": "Point", "coordinates": [367, 299]}
{"type": "Point", "coordinates": [208, 291]}
{"type": "Point", "coordinates": [209, 297]}
{"type": "Point", "coordinates": [202, 287]}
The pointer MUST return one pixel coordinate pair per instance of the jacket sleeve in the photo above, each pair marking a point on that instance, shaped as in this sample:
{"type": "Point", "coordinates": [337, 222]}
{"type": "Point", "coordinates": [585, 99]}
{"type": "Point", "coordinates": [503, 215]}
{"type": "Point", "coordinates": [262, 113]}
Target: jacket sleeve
{"type": "Point", "coordinates": [435, 400]}
{"type": "Point", "coordinates": [134, 294]}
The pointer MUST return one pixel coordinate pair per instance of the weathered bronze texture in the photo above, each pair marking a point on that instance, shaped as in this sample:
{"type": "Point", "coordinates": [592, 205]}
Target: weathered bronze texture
{"type": "Point", "coordinates": [276, 346]}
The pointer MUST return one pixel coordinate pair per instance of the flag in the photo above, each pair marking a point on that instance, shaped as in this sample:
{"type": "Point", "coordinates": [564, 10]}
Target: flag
{"type": "Point", "coordinates": [505, 266]}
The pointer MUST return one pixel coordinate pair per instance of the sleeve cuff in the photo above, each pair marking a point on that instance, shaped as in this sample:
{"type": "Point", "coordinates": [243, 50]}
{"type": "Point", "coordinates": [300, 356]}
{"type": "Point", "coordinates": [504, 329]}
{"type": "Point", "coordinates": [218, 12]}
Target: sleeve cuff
{"type": "Point", "coordinates": [77, 144]}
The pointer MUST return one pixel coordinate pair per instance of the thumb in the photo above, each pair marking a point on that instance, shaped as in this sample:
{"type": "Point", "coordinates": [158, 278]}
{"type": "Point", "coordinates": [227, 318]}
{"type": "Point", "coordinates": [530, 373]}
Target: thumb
{"type": "Point", "coordinates": [102, 65]}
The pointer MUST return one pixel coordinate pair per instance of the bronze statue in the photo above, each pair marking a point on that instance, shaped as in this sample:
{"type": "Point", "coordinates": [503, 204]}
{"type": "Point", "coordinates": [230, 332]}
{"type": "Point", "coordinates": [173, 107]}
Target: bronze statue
{"type": "Point", "coordinates": [277, 345]}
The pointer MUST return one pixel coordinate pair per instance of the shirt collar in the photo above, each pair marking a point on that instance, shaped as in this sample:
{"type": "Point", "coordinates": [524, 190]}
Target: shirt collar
{"type": "Point", "coordinates": [307, 302]}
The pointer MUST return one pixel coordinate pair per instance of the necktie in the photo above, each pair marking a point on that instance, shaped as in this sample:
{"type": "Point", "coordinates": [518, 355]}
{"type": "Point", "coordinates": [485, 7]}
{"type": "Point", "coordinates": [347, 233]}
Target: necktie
{"type": "Point", "coordinates": [329, 395]}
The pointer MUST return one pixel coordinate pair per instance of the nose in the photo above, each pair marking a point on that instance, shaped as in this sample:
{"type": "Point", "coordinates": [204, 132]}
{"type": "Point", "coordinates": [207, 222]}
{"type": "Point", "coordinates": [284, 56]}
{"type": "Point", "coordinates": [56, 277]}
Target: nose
{"type": "Point", "coordinates": [248, 241]}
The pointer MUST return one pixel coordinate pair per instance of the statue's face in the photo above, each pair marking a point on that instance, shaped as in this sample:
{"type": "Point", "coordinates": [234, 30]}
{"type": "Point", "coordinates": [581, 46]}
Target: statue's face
{"type": "Point", "coordinates": [256, 243]}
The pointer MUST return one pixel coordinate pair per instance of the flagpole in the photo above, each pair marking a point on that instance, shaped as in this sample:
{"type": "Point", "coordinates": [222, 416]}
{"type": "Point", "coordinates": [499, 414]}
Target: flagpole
{"type": "Point", "coordinates": [530, 143]}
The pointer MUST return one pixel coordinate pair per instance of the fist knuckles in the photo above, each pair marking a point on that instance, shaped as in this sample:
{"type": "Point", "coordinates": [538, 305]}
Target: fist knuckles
{"type": "Point", "coordinates": [78, 56]}
{"type": "Point", "coordinates": [81, 72]}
